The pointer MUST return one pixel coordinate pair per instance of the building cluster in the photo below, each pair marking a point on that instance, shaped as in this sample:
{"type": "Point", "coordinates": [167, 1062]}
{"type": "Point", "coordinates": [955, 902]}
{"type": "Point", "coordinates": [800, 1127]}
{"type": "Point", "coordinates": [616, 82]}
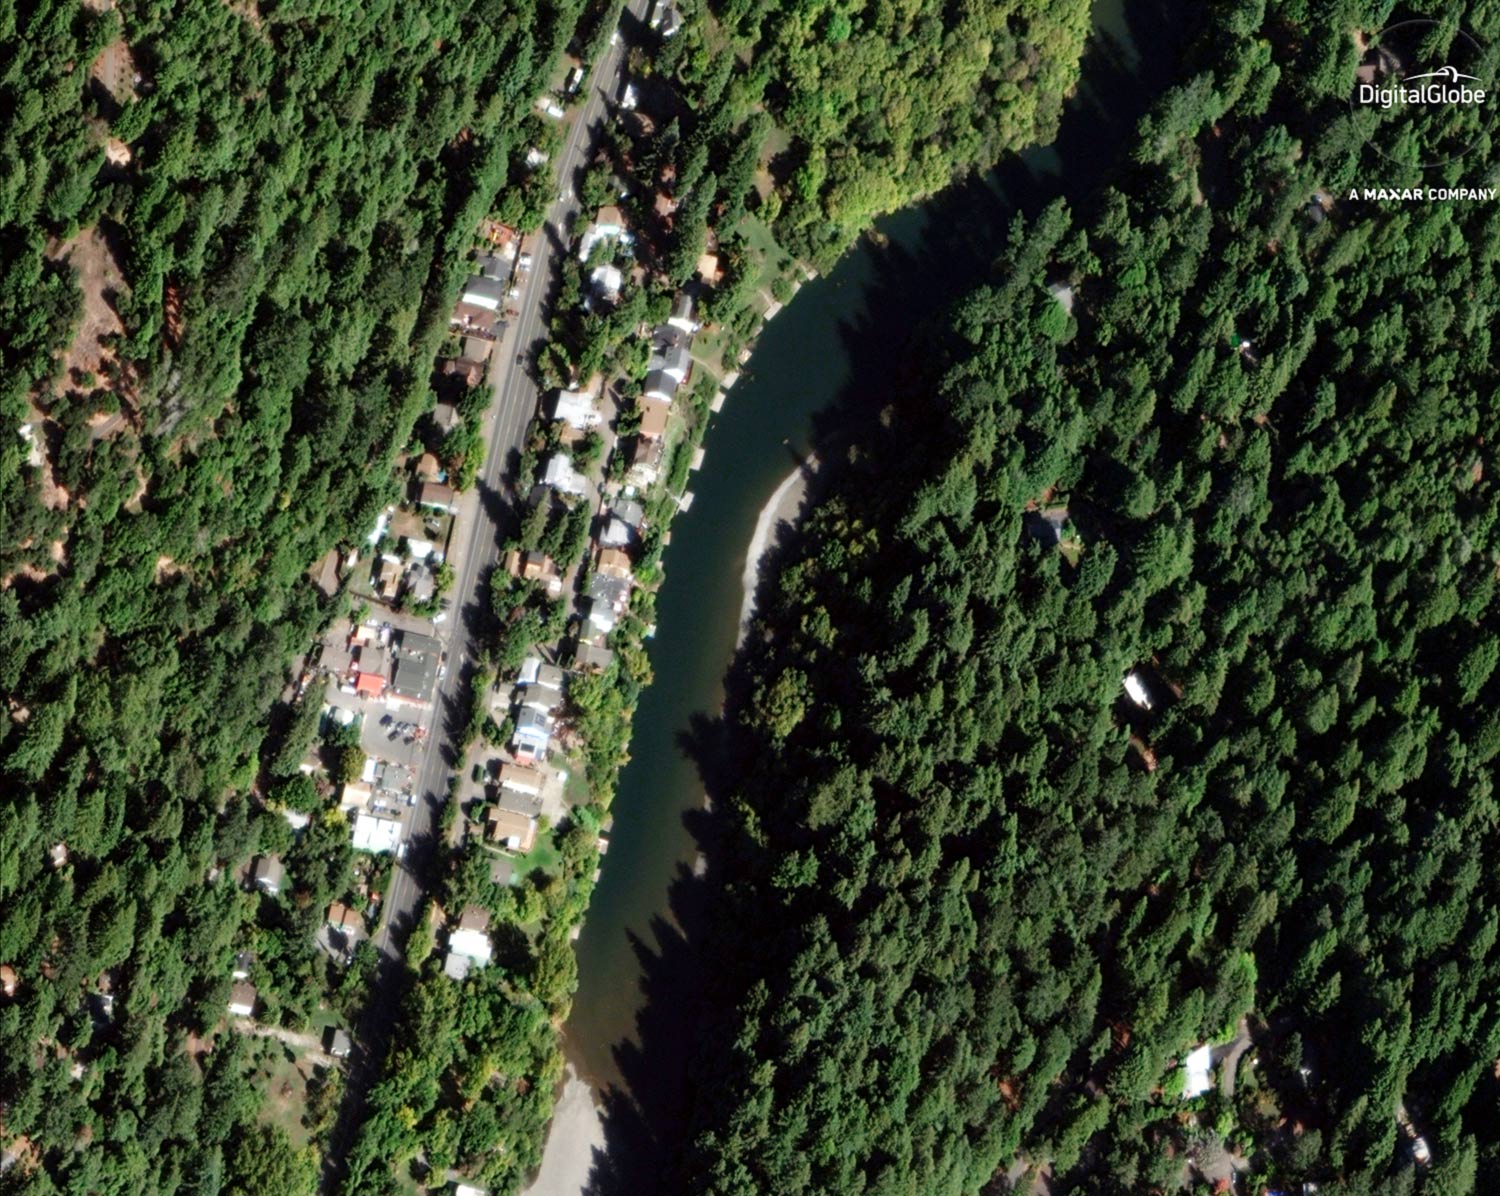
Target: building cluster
{"type": "Point", "coordinates": [385, 664]}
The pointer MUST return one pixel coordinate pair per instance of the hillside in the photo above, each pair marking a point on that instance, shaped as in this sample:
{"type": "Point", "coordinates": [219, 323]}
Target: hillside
{"type": "Point", "coordinates": [1133, 692]}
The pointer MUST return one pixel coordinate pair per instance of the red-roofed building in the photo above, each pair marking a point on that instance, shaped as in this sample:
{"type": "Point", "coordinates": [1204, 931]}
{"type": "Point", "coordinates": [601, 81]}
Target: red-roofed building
{"type": "Point", "coordinates": [371, 685]}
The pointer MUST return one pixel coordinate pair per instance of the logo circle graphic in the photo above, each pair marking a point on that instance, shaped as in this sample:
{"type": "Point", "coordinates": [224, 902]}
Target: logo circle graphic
{"type": "Point", "coordinates": [1423, 92]}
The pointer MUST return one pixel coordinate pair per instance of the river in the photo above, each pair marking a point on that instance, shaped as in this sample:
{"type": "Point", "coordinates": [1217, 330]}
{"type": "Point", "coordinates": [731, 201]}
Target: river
{"type": "Point", "coordinates": [825, 362]}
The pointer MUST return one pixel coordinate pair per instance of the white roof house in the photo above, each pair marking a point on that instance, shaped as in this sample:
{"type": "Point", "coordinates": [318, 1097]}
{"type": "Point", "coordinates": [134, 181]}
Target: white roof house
{"type": "Point", "coordinates": [1136, 691]}
{"type": "Point", "coordinates": [1196, 1069]}
{"type": "Point", "coordinates": [242, 999]}
{"type": "Point", "coordinates": [471, 944]}
{"type": "Point", "coordinates": [576, 409]}
{"type": "Point", "coordinates": [561, 475]}
{"type": "Point", "coordinates": [682, 315]}
{"type": "Point", "coordinates": [376, 834]}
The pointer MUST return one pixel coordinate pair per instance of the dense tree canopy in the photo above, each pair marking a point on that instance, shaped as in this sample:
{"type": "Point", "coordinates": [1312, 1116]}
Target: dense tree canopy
{"type": "Point", "coordinates": [980, 904]}
{"type": "Point", "coordinates": [229, 240]}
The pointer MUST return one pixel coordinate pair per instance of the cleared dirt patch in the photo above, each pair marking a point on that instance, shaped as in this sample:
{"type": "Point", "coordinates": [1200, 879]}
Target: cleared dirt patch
{"type": "Point", "coordinates": [100, 280]}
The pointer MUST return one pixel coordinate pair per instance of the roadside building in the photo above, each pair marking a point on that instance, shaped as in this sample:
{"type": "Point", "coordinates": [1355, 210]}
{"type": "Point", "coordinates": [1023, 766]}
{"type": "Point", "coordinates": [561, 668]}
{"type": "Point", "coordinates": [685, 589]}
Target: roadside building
{"type": "Point", "coordinates": [437, 496]}
{"type": "Point", "coordinates": [418, 658]}
{"type": "Point", "coordinates": [376, 834]}
{"type": "Point", "coordinates": [484, 292]}
{"type": "Point", "coordinates": [608, 225]}
{"type": "Point", "coordinates": [606, 282]}
{"type": "Point", "coordinates": [345, 920]}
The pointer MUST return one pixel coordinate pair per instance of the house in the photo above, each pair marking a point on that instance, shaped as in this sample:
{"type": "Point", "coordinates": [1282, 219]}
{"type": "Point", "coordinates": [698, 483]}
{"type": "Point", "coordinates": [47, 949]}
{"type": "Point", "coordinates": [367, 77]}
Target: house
{"type": "Point", "coordinates": [242, 962]}
{"type": "Point", "coordinates": [665, 19]}
{"type": "Point", "coordinates": [268, 874]}
{"type": "Point", "coordinates": [665, 207]}
{"type": "Point", "coordinates": [606, 281]}
{"type": "Point", "coordinates": [483, 292]}
{"type": "Point", "coordinates": [682, 315]}
{"type": "Point", "coordinates": [455, 966]}
{"type": "Point", "coordinates": [8, 980]}
{"type": "Point", "coordinates": [387, 577]}
{"type": "Point", "coordinates": [671, 357]}
{"type": "Point", "coordinates": [562, 477]}
{"type": "Point", "coordinates": [654, 415]}
{"type": "Point", "coordinates": [614, 562]}
{"type": "Point", "coordinates": [355, 795]}
{"type": "Point", "coordinates": [645, 462]}
{"type": "Point", "coordinates": [1196, 1069]}
{"type": "Point", "coordinates": [608, 225]}
{"type": "Point", "coordinates": [616, 534]}
{"type": "Point", "coordinates": [422, 550]}
{"type": "Point", "coordinates": [533, 735]}
{"type": "Point", "coordinates": [437, 496]}
{"type": "Point", "coordinates": [477, 351]}
{"type": "Point", "coordinates": [421, 584]}
{"type": "Point", "coordinates": [446, 417]}
{"type": "Point", "coordinates": [468, 1190]}
{"type": "Point", "coordinates": [540, 698]}
{"type": "Point", "coordinates": [576, 409]}
{"type": "Point", "coordinates": [242, 998]}
{"type": "Point", "coordinates": [376, 834]}
{"type": "Point", "coordinates": [471, 320]}
{"type": "Point", "coordinates": [1137, 690]}
{"type": "Point", "coordinates": [615, 591]}
{"type": "Point", "coordinates": [519, 779]}
{"type": "Point", "coordinates": [593, 658]}
{"type": "Point", "coordinates": [471, 938]}
{"type": "Point", "coordinates": [510, 829]}
{"type": "Point", "coordinates": [338, 1043]}
{"type": "Point", "coordinates": [430, 469]}
{"type": "Point", "coordinates": [661, 385]}
{"type": "Point", "coordinates": [629, 512]}
{"type": "Point", "coordinates": [345, 920]}
{"type": "Point", "coordinates": [469, 370]}
{"type": "Point", "coordinates": [602, 616]}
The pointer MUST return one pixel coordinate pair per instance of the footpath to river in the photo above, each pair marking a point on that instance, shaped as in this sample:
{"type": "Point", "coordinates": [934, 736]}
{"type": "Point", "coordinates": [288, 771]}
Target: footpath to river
{"type": "Point", "coordinates": [835, 354]}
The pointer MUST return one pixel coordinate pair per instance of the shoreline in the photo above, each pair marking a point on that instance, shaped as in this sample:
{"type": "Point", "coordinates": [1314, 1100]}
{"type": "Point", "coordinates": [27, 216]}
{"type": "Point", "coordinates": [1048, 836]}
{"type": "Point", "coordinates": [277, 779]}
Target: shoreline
{"type": "Point", "coordinates": [574, 1141]}
{"type": "Point", "coordinates": [781, 507]}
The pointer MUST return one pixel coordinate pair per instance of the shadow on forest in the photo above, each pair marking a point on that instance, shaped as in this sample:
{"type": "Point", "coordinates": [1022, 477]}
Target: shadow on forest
{"type": "Point", "coordinates": [896, 341]}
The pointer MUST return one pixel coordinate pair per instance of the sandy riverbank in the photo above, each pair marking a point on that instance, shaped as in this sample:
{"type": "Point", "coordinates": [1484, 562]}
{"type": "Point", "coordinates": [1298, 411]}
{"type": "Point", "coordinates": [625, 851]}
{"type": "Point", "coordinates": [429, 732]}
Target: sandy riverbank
{"type": "Point", "coordinates": [574, 1140]}
{"type": "Point", "coordinates": [781, 507]}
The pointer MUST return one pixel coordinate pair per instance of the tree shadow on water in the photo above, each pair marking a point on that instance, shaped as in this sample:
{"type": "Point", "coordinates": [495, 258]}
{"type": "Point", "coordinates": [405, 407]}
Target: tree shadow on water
{"type": "Point", "coordinates": [671, 1069]}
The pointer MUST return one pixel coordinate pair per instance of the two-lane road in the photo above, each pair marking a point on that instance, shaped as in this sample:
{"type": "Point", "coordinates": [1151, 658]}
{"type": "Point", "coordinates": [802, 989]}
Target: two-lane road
{"type": "Point", "coordinates": [508, 420]}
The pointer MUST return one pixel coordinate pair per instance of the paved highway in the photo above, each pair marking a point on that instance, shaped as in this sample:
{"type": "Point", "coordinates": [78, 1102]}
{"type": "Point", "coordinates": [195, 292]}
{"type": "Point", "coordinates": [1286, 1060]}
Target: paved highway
{"type": "Point", "coordinates": [506, 423]}
{"type": "Point", "coordinates": [518, 394]}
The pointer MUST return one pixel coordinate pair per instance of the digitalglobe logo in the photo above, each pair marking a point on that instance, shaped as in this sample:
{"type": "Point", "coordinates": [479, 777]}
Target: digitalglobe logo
{"type": "Point", "coordinates": [1423, 92]}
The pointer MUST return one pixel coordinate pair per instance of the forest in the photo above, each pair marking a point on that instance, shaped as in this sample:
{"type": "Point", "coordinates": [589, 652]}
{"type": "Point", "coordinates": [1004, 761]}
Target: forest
{"type": "Point", "coordinates": [230, 236]}
{"type": "Point", "coordinates": [822, 117]}
{"type": "Point", "coordinates": [1226, 433]}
